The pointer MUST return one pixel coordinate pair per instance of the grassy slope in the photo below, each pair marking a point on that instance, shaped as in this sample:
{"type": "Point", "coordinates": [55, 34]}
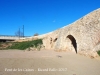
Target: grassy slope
{"type": "Point", "coordinates": [27, 44]}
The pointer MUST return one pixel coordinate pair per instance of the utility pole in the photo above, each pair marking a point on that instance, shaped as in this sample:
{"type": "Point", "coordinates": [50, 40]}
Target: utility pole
{"type": "Point", "coordinates": [19, 33]}
{"type": "Point", "coordinates": [23, 30]}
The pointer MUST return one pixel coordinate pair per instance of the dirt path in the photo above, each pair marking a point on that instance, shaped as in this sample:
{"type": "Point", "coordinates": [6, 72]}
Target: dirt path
{"type": "Point", "coordinates": [46, 62]}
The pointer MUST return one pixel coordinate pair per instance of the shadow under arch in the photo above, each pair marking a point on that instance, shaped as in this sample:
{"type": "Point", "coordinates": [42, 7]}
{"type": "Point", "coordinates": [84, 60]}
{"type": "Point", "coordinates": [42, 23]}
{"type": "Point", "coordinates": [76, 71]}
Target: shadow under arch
{"type": "Point", "coordinates": [55, 40]}
{"type": "Point", "coordinates": [73, 40]}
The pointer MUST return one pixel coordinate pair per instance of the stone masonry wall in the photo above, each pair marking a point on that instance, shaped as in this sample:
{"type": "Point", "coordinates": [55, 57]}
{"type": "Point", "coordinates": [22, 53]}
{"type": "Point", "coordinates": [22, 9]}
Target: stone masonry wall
{"type": "Point", "coordinates": [82, 35]}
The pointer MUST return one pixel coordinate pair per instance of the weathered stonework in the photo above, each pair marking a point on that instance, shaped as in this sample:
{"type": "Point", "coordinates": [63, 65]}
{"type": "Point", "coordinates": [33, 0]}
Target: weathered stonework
{"type": "Point", "coordinates": [82, 35]}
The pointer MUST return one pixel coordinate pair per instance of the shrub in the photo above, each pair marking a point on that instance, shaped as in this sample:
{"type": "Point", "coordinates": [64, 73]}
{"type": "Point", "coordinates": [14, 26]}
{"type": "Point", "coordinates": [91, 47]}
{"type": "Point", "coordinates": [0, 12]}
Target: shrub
{"type": "Point", "coordinates": [98, 52]}
{"type": "Point", "coordinates": [25, 45]}
{"type": "Point", "coordinates": [36, 34]}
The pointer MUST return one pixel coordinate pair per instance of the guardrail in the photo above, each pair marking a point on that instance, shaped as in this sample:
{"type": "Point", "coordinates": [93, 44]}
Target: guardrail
{"type": "Point", "coordinates": [11, 37]}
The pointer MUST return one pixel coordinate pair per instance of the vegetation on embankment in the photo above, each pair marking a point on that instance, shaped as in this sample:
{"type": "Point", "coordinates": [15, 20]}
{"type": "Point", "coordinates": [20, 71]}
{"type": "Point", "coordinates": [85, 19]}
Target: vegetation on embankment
{"type": "Point", "coordinates": [20, 45]}
{"type": "Point", "coordinates": [4, 45]}
{"type": "Point", "coordinates": [26, 44]}
{"type": "Point", "coordinates": [98, 52]}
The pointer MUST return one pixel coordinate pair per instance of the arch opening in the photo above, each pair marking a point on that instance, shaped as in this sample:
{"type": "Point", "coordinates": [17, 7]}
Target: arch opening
{"type": "Point", "coordinates": [73, 41]}
{"type": "Point", "coordinates": [55, 40]}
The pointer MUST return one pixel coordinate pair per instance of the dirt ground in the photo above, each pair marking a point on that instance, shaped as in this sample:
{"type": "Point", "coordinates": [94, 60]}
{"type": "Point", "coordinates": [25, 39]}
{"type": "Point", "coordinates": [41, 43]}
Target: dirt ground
{"type": "Point", "coordinates": [46, 62]}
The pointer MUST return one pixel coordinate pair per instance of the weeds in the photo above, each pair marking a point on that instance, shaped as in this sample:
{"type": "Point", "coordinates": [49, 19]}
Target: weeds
{"type": "Point", "coordinates": [98, 52]}
{"type": "Point", "coordinates": [25, 45]}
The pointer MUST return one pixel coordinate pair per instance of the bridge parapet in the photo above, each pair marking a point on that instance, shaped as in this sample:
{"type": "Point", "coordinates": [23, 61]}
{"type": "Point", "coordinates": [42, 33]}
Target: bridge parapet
{"type": "Point", "coordinates": [8, 37]}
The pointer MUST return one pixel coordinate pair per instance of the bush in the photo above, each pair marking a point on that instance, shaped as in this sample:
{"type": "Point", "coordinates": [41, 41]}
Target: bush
{"type": "Point", "coordinates": [98, 52]}
{"type": "Point", "coordinates": [25, 45]}
{"type": "Point", "coordinates": [36, 34]}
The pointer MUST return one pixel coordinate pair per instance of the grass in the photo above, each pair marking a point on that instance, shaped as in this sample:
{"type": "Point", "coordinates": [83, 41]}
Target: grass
{"type": "Point", "coordinates": [26, 44]}
{"type": "Point", "coordinates": [98, 52]}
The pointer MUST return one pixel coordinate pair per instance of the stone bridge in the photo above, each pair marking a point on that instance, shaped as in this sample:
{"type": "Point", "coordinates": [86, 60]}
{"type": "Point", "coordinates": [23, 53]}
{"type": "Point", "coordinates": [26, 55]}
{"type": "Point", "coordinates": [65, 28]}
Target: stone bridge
{"type": "Point", "coordinates": [82, 36]}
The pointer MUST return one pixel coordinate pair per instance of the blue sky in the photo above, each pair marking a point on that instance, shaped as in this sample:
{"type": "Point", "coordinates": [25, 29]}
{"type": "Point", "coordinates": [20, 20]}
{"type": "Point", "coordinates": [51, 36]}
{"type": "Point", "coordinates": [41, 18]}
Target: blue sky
{"type": "Point", "coordinates": [41, 16]}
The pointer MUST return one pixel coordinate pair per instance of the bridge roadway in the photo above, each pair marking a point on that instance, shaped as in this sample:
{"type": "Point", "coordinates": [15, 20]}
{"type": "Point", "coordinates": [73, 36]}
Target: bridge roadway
{"type": "Point", "coordinates": [4, 38]}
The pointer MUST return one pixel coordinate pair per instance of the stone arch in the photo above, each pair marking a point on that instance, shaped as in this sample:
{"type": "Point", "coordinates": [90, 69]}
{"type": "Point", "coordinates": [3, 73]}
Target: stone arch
{"type": "Point", "coordinates": [73, 41]}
